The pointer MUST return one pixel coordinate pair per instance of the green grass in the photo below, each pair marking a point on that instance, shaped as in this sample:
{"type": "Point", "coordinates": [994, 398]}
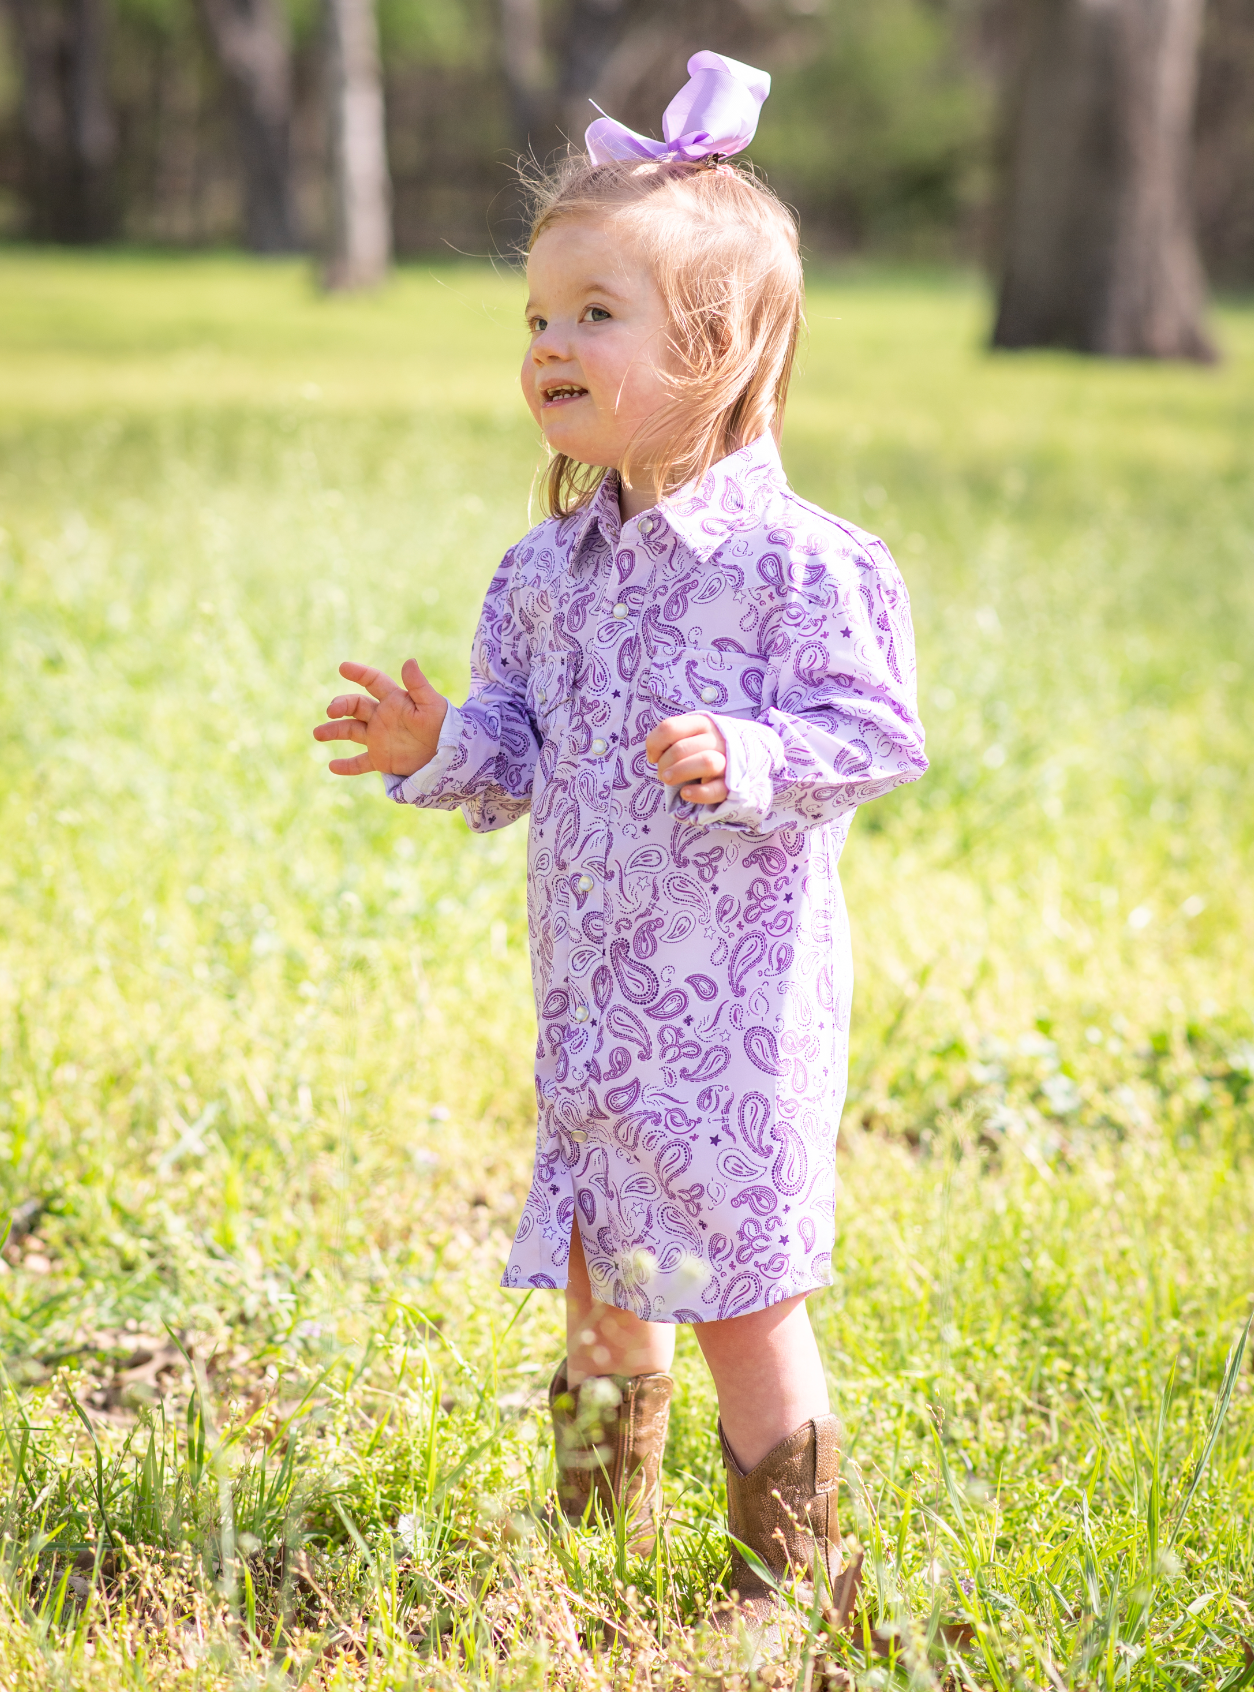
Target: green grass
{"type": "Point", "coordinates": [265, 1097]}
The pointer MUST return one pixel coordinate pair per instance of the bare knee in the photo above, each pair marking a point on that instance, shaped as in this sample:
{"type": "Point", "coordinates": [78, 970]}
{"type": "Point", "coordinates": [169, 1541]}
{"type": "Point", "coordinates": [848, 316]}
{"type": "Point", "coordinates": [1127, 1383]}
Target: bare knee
{"type": "Point", "coordinates": [756, 1332]}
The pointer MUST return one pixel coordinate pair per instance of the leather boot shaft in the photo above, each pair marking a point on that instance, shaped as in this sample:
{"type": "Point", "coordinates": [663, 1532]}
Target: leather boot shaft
{"type": "Point", "coordinates": [610, 1435]}
{"type": "Point", "coordinates": [784, 1510]}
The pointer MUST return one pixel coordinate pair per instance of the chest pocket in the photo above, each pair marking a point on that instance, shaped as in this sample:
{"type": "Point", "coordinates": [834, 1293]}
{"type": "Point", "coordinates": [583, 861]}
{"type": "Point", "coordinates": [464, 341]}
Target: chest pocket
{"type": "Point", "coordinates": [705, 679]}
{"type": "Point", "coordinates": [549, 688]}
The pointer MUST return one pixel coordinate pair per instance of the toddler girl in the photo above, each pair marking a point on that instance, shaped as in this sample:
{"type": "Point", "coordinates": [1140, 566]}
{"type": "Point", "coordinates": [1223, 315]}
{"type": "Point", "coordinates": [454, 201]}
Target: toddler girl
{"type": "Point", "coordinates": [690, 678]}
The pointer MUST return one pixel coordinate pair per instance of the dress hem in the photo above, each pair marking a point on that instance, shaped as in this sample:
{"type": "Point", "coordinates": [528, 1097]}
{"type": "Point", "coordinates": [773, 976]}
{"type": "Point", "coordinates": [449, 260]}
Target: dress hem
{"type": "Point", "coordinates": [683, 1318]}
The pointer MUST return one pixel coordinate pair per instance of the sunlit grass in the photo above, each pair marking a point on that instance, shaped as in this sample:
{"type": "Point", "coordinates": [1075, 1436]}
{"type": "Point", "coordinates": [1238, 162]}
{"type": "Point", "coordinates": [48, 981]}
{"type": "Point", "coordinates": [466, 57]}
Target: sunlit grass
{"type": "Point", "coordinates": [265, 1040]}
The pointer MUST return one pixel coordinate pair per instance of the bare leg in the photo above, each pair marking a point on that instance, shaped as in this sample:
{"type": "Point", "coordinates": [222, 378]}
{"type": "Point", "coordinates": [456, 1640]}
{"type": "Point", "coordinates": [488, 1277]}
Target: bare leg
{"type": "Point", "coordinates": [768, 1374]}
{"type": "Point", "coordinates": [601, 1340]}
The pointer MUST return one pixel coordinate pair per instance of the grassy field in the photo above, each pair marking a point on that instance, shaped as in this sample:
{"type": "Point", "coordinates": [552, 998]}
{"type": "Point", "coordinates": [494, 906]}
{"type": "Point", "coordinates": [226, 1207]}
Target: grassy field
{"type": "Point", "coordinates": [265, 1098]}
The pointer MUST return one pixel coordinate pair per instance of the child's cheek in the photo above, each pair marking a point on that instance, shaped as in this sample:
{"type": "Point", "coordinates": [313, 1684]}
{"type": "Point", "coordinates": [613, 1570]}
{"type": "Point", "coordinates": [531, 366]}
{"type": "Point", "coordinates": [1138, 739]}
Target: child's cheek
{"type": "Point", "coordinates": [527, 382]}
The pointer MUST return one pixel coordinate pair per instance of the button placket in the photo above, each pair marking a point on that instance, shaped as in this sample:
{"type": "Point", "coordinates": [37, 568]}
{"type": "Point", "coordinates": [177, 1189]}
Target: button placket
{"type": "Point", "coordinates": [603, 744]}
{"type": "Point", "coordinates": [587, 891]}
{"type": "Point", "coordinates": [587, 897]}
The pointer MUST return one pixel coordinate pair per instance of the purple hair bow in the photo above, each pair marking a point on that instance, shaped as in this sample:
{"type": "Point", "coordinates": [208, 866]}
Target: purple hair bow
{"type": "Point", "coordinates": [715, 113]}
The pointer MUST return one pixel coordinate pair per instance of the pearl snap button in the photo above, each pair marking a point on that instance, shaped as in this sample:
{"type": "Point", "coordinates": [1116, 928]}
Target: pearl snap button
{"type": "Point", "coordinates": [581, 1013]}
{"type": "Point", "coordinates": [585, 884]}
{"type": "Point", "coordinates": [620, 611]}
{"type": "Point", "coordinates": [647, 525]}
{"type": "Point", "coordinates": [599, 748]}
{"type": "Point", "coordinates": [543, 697]}
{"type": "Point", "coordinates": [578, 1135]}
{"type": "Point", "coordinates": [709, 694]}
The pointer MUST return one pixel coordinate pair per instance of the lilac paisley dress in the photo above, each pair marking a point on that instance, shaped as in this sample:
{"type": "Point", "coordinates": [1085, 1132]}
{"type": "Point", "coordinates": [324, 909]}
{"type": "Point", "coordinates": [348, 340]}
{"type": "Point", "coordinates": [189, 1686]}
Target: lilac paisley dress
{"type": "Point", "coordinates": [691, 963]}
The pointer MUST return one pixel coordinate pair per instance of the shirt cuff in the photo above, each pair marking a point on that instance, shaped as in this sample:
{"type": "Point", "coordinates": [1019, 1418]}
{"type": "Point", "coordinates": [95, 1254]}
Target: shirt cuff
{"type": "Point", "coordinates": [413, 789]}
{"type": "Point", "coordinates": [747, 775]}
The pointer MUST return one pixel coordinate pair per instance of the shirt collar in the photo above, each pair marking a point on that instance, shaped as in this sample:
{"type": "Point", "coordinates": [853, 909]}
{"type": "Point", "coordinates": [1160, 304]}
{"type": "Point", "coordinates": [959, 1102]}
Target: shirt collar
{"type": "Point", "coordinates": [729, 498]}
{"type": "Point", "coordinates": [601, 512]}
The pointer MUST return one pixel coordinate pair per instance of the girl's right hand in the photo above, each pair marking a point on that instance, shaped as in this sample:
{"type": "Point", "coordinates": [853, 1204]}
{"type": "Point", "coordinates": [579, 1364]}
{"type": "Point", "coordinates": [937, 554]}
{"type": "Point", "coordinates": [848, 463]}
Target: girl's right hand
{"type": "Point", "coordinates": [399, 726]}
{"type": "Point", "coordinates": [691, 754]}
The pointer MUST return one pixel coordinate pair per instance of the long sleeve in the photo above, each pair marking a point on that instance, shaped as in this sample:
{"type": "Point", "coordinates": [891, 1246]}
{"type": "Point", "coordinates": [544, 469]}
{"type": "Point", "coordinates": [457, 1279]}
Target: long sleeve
{"type": "Point", "coordinates": [486, 758]}
{"type": "Point", "coordinates": [843, 727]}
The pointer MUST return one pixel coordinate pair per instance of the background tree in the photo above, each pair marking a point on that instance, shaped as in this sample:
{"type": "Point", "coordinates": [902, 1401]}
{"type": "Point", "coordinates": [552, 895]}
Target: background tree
{"type": "Point", "coordinates": [1223, 151]}
{"type": "Point", "coordinates": [68, 132]}
{"type": "Point", "coordinates": [1099, 251]}
{"type": "Point", "coordinates": [630, 55]}
{"type": "Point", "coordinates": [252, 44]}
{"type": "Point", "coordinates": [359, 242]}
{"type": "Point", "coordinates": [524, 61]}
{"type": "Point", "coordinates": [881, 121]}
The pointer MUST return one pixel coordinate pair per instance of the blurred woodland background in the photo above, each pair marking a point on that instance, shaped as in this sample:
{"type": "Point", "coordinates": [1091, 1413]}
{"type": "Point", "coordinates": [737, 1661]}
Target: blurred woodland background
{"type": "Point", "coordinates": [894, 125]}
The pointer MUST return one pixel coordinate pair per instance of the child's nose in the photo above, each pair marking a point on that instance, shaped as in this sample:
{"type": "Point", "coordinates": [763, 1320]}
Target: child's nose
{"type": "Point", "coordinates": [549, 346]}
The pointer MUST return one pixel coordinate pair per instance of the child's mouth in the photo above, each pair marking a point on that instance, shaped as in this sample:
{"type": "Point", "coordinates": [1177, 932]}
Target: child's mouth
{"type": "Point", "coordinates": [562, 394]}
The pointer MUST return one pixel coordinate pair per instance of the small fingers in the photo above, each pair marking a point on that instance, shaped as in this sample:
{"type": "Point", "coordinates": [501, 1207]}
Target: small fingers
{"type": "Point", "coordinates": [673, 729]}
{"type": "Point", "coordinates": [374, 681]}
{"type": "Point", "coordinates": [351, 766]}
{"type": "Point", "coordinates": [415, 683]}
{"type": "Point", "coordinates": [689, 761]}
{"type": "Point", "coordinates": [351, 730]}
{"type": "Point", "coordinates": [705, 792]}
{"type": "Point", "coordinates": [352, 705]}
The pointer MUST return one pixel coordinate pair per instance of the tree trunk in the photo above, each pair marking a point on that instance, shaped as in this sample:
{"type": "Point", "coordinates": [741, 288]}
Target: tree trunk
{"type": "Point", "coordinates": [360, 244]}
{"type": "Point", "coordinates": [630, 55]}
{"type": "Point", "coordinates": [598, 34]}
{"type": "Point", "coordinates": [526, 75]}
{"type": "Point", "coordinates": [1099, 253]}
{"type": "Point", "coordinates": [252, 43]}
{"type": "Point", "coordinates": [69, 135]}
{"type": "Point", "coordinates": [1223, 147]}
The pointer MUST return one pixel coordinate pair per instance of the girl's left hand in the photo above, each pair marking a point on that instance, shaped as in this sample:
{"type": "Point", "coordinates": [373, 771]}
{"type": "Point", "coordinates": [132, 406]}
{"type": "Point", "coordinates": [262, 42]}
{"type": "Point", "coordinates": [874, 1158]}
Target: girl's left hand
{"type": "Point", "coordinates": [690, 754]}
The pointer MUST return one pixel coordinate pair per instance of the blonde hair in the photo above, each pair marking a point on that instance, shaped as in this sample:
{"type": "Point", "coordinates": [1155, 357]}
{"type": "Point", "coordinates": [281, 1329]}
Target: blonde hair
{"type": "Point", "coordinates": [725, 255]}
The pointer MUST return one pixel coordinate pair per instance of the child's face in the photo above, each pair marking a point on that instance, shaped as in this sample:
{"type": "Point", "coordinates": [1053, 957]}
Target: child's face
{"type": "Point", "coordinates": [595, 365]}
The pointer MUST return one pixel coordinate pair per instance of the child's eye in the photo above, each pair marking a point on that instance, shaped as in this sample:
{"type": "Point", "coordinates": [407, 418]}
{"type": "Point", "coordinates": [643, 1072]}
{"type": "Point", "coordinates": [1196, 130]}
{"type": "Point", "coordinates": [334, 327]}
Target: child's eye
{"type": "Point", "coordinates": [538, 325]}
{"type": "Point", "coordinates": [598, 314]}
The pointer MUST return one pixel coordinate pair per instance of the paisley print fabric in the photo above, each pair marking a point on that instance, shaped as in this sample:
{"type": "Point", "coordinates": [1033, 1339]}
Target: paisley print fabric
{"type": "Point", "coordinates": [691, 963]}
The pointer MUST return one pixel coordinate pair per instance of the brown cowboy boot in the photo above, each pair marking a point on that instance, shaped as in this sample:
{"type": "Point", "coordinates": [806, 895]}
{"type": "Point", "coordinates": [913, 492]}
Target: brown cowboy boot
{"type": "Point", "coordinates": [784, 1510]}
{"type": "Point", "coordinates": [610, 1434]}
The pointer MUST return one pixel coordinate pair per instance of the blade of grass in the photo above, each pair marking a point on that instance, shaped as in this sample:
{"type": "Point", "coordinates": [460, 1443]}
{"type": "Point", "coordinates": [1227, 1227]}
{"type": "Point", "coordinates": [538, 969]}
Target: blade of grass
{"type": "Point", "coordinates": [1223, 1400]}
